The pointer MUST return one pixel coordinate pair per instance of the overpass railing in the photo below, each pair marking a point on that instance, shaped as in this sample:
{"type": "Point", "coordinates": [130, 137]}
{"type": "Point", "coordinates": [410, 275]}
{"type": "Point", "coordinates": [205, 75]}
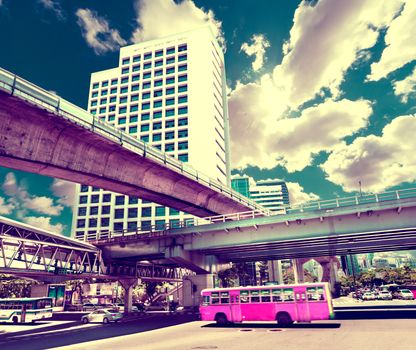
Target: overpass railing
{"type": "Point", "coordinates": [28, 91]}
{"type": "Point", "coordinates": [312, 206]}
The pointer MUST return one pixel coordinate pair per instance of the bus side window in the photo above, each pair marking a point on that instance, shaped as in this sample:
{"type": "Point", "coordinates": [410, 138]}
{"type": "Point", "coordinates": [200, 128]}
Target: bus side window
{"type": "Point", "coordinates": [277, 295]}
{"type": "Point", "coordinates": [225, 298]}
{"type": "Point", "coordinates": [244, 296]}
{"type": "Point", "coordinates": [205, 300]}
{"type": "Point", "coordinates": [255, 296]}
{"type": "Point", "coordinates": [288, 294]}
{"type": "Point", "coordinates": [237, 299]}
{"type": "Point", "coordinates": [215, 298]}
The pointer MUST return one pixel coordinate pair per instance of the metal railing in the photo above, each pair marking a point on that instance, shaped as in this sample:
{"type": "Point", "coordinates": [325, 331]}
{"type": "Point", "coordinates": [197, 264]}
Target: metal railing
{"type": "Point", "coordinates": [312, 206]}
{"type": "Point", "coordinates": [28, 91]}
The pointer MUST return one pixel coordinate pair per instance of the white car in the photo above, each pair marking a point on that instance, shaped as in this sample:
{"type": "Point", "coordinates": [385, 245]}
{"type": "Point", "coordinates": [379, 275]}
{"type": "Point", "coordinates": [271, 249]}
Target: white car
{"type": "Point", "coordinates": [369, 296]}
{"type": "Point", "coordinates": [384, 295]}
{"type": "Point", "coordinates": [406, 294]}
{"type": "Point", "coordinates": [120, 307]}
{"type": "Point", "coordinates": [104, 316]}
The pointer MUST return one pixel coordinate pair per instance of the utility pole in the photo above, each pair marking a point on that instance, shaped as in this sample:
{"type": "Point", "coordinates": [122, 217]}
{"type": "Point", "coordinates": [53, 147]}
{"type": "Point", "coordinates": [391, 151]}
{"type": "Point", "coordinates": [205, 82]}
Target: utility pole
{"type": "Point", "coordinates": [359, 183]}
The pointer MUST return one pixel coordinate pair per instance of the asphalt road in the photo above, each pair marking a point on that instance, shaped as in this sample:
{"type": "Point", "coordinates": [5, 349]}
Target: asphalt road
{"type": "Point", "coordinates": [182, 332]}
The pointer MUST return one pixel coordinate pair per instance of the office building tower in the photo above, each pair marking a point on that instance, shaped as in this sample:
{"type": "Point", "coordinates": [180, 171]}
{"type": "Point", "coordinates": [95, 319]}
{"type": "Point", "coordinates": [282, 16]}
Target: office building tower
{"type": "Point", "coordinates": [171, 94]}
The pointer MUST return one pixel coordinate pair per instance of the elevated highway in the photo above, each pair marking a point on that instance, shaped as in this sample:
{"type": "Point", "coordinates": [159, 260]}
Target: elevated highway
{"type": "Point", "coordinates": [44, 134]}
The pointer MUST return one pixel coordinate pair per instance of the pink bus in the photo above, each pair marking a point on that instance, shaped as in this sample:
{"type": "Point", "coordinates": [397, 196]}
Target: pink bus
{"type": "Point", "coordinates": [282, 303]}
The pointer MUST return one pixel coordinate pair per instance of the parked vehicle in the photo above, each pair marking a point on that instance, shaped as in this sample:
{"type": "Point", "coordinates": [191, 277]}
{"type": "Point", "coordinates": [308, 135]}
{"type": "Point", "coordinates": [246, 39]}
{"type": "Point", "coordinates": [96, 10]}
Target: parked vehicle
{"type": "Point", "coordinates": [369, 296]}
{"type": "Point", "coordinates": [158, 306]}
{"type": "Point", "coordinates": [104, 316]}
{"type": "Point", "coordinates": [120, 307]}
{"type": "Point", "coordinates": [405, 294]}
{"type": "Point", "coordinates": [384, 295]}
{"type": "Point", "coordinates": [90, 307]}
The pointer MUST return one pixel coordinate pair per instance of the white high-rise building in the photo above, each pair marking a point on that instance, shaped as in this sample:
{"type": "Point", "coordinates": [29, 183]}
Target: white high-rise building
{"type": "Point", "coordinates": [171, 94]}
{"type": "Point", "coordinates": [271, 194]}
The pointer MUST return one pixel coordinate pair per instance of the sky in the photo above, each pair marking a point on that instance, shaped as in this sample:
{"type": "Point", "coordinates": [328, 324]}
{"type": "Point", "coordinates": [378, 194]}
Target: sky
{"type": "Point", "coordinates": [321, 93]}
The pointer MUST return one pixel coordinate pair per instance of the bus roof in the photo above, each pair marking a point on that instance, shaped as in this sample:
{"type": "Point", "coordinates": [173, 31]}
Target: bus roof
{"type": "Point", "coordinates": [315, 284]}
{"type": "Point", "coordinates": [23, 299]}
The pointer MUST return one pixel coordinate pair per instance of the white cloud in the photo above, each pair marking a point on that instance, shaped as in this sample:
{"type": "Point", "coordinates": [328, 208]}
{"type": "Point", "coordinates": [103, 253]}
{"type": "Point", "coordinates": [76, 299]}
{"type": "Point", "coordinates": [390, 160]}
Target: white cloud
{"type": "Point", "coordinates": [298, 195]}
{"type": "Point", "coordinates": [65, 190]}
{"type": "Point", "coordinates": [97, 32]}
{"type": "Point", "coordinates": [43, 205]}
{"type": "Point", "coordinates": [54, 6]}
{"type": "Point", "coordinates": [400, 43]}
{"type": "Point", "coordinates": [44, 223]}
{"type": "Point", "coordinates": [6, 207]}
{"type": "Point", "coordinates": [159, 18]}
{"type": "Point", "coordinates": [406, 87]}
{"type": "Point", "coordinates": [257, 48]}
{"type": "Point", "coordinates": [325, 40]}
{"type": "Point", "coordinates": [379, 162]}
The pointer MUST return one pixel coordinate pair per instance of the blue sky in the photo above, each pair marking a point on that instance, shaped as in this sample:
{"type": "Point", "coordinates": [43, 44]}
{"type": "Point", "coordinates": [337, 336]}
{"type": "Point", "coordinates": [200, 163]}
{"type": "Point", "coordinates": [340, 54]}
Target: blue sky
{"type": "Point", "coordinates": [321, 93]}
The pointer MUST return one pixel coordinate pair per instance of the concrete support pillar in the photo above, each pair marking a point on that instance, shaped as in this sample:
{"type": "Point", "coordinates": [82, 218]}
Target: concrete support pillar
{"type": "Point", "coordinates": [298, 271]}
{"type": "Point", "coordinates": [344, 264]}
{"type": "Point", "coordinates": [275, 271]}
{"type": "Point", "coordinates": [192, 286]}
{"type": "Point", "coordinates": [128, 284]}
{"type": "Point", "coordinates": [329, 273]}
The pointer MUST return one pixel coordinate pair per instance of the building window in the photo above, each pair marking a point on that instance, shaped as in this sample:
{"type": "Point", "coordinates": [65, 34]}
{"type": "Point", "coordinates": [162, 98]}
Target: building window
{"type": "Point", "coordinates": [145, 95]}
{"type": "Point", "coordinates": [132, 226]}
{"type": "Point", "coordinates": [95, 86]}
{"type": "Point", "coordinates": [157, 104]}
{"type": "Point", "coordinates": [147, 75]}
{"type": "Point", "coordinates": [82, 211]}
{"type": "Point", "coordinates": [106, 197]}
{"type": "Point", "coordinates": [134, 108]}
{"type": "Point", "coordinates": [122, 110]}
{"type": "Point", "coordinates": [144, 128]}
{"type": "Point", "coordinates": [182, 133]}
{"type": "Point", "coordinates": [159, 63]}
{"type": "Point", "coordinates": [157, 126]}
{"type": "Point", "coordinates": [147, 211]}
{"type": "Point", "coordinates": [92, 223]}
{"type": "Point", "coordinates": [134, 98]}
{"type": "Point", "coordinates": [145, 106]}
{"type": "Point", "coordinates": [132, 129]}
{"type": "Point", "coordinates": [95, 198]}
{"type": "Point", "coordinates": [169, 113]}
{"type": "Point", "coordinates": [145, 116]}
{"type": "Point", "coordinates": [183, 158]}
{"type": "Point", "coordinates": [182, 110]}
{"type": "Point", "coordinates": [160, 211]}
{"type": "Point", "coordinates": [183, 47]}
{"type": "Point", "coordinates": [124, 70]}
{"type": "Point", "coordinates": [135, 77]}
{"type": "Point", "coordinates": [173, 211]}
{"type": "Point", "coordinates": [169, 124]}
{"type": "Point", "coordinates": [146, 85]}
{"type": "Point", "coordinates": [81, 223]}
{"type": "Point", "coordinates": [182, 58]}
{"type": "Point", "coordinates": [133, 119]}
{"type": "Point", "coordinates": [157, 137]}
{"type": "Point", "coordinates": [104, 83]}
{"type": "Point", "coordinates": [147, 55]}
{"type": "Point", "coordinates": [160, 224]}
{"type": "Point", "coordinates": [105, 222]}
{"type": "Point", "coordinates": [183, 78]}
{"type": "Point", "coordinates": [170, 60]}
{"type": "Point", "coordinates": [183, 99]}
{"type": "Point", "coordinates": [114, 82]}
{"type": "Point", "coordinates": [135, 87]}
{"type": "Point", "coordinates": [132, 213]}
{"type": "Point", "coordinates": [144, 138]}
{"type": "Point", "coordinates": [169, 135]}
{"type": "Point", "coordinates": [170, 80]}
{"type": "Point", "coordinates": [118, 226]}
{"type": "Point", "coordinates": [136, 59]}
{"type": "Point", "coordinates": [119, 200]}
{"type": "Point", "coordinates": [84, 188]}
{"type": "Point", "coordinates": [126, 61]}
{"type": "Point", "coordinates": [169, 147]}
{"type": "Point", "coordinates": [103, 101]}
{"type": "Point", "coordinates": [158, 82]}
{"type": "Point", "coordinates": [158, 73]}
{"type": "Point", "coordinates": [146, 225]}
{"type": "Point", "coordinates": [103, 109]}
{"type": "Point", "coordinates": [170, 50]}
{"type": "Point", "coordinates": [124, 81]}
{"type": "Point", "coordinates": [113, 99]}
{"type": "Point", "coordinates": [183, 145]}
{"type": "Point", "coordinates": [174, 223]}
{"type": "Point", "coordinates": [170, 70]}
{"type": "Point", "coordinates": [119, 214]}
{"type": "Point", "coordinates": [147, 65]}
{"type": "Point", "coordinates": [94, 210]}
{"type": "Point", "coordinates": [136, 68]}
{"type": "Point", "coordinates": [94, 94]}
{"type": "Point", "coordinates": [123, 100]}
{"type": "Point", "coordinates": [124, 90]}
{"type": "Point", "coordinates": [93, 103]}
{"type": "Point", "coordinates": [159, 53]}
{"type": "Point", "coordinates": [170, 91]}
{"type": "Point", "coordinates": [183, 121]}
{"type": "Point", "coordinates": [182, 68]}
{"type": "Point", "coordinates": [105, 209]}
{"type": "Point", "coordinates": [133, 200]}
{"type": "Point", "coordinates": [157, 93]}
{"type": "Point", "coordinates": [170, 101]}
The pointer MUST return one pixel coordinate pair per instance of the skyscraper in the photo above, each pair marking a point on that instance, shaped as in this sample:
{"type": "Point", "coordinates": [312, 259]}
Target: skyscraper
{"type": "Point", "coordinates": [171, 94]}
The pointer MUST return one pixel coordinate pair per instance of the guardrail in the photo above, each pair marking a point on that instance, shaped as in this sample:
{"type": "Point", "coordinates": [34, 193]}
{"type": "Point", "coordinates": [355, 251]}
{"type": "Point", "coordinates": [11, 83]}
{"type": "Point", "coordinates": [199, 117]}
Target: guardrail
{"type": "Point", "coordinates": [314, 206]}
{"type": "Point", "coordinates": [28, 91]}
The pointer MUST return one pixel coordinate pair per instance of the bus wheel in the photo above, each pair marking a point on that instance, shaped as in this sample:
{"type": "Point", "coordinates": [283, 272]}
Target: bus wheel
{"type": "Point", "coordinates": [15, 320]}
{"type": "Point", "coordinates": [221, 319]}
{"type": "Point", "coordinates": [284, 319]}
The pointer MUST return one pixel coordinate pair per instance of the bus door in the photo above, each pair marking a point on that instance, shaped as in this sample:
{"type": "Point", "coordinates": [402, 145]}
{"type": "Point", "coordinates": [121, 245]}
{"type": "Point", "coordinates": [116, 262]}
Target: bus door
{"type": "Point", "coordinates": [302, 305]}
{"type": "Point", "coordinates": [235, 308]}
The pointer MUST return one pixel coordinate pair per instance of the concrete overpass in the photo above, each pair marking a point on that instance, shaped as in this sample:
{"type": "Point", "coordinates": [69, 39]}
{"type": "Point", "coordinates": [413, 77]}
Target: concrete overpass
{"type": "Point", "coordinates": [44, 134]}
{"type": "Point", "coordinates": [353, 225]}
